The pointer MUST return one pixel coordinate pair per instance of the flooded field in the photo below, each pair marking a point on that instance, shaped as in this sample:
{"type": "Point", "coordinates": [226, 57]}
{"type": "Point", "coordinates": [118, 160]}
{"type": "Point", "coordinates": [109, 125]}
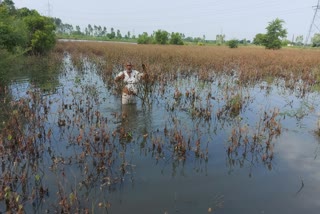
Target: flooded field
{"type": "Point", "coordinates": [187, 146]}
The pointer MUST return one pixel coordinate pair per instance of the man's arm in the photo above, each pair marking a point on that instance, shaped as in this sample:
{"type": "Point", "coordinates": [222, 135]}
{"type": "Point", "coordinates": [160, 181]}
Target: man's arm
{"type": "Point", "coordinates": [119, 77]}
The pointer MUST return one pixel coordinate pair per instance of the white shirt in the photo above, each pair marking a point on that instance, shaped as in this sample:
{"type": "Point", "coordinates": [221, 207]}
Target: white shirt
{"type": "Point", "coordinates": [131, 80]}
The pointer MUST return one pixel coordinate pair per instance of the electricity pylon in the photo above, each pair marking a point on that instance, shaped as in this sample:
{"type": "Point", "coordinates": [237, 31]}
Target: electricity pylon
{"type": "Point", "coordinates": [49, 9]}
{"type": "Point", "coordinates": [315, 24]}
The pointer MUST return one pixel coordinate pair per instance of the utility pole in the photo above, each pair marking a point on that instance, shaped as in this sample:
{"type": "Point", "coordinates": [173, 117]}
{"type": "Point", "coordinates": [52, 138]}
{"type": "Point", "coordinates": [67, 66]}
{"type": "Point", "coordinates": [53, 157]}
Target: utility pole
{"type": "Point", "coordinates": [315, 24]}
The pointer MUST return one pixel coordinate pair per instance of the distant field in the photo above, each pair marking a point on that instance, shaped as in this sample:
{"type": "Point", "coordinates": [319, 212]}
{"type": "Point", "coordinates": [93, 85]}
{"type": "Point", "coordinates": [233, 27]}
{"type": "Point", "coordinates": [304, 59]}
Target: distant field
{"type": "Point", "coordinates": [251, 63]}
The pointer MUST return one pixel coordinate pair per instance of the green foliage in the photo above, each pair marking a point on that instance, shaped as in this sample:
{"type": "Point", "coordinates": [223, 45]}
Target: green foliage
{"type": "Point", "coordinates": [7, 39]}
{"type": "Point", "coordinates": [111, 35]}
{"type": "Point", "coordinates": [9, 5]}
{"type": "Point", "coordinates": [275, 32]}
{"type": "Point", "coordinates": [42, 41]}
{"type": "Point", "coordinates": [161, 37]}
{"type": "Point", "coordinates": [285, 42]}
{"type": "Point", "coordinates": [67, 28]}
{"type": "Point", "coordinates": [24, 30]}
{"type": "Point", "coordinates": [233, 43]}
{"type": "Point", "coordinates": [144, 38]}
{"type": "Point", "coordinates": [176, 39]}
{"type": "Point", "coordinates": [77, 31]}
{"type": "Point", "coordinates": [259, 39]}
{"type": "Point", "coordinates": [220, 39]}
{"type": "Point", "coordinates": [41, 31]}
{"type": "Point", "coordinates": [13, 34]}
{"type": "Point", "coordinates": [299, 40]}
{"type": "Point", "coordinates": [316, 40]}
{"type": "Point", "coordinates": [118, 36]}
{"type": "Point", "coordinates": [243, 41]}
{"type": "Point", "coordinates": [23, 12]}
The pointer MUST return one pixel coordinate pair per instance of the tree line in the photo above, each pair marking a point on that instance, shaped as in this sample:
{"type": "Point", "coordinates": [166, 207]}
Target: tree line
{"type": "Point", "coordinates": [25, 31]}
{"type": "Point", "coordinates": [274, 38]}
{"type": "Point", "coordinates": [158, 37]}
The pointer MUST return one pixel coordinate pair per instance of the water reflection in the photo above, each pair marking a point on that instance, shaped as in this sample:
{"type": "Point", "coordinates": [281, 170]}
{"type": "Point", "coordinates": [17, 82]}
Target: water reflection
{"type": "Point", "coordinates": [135, 118]}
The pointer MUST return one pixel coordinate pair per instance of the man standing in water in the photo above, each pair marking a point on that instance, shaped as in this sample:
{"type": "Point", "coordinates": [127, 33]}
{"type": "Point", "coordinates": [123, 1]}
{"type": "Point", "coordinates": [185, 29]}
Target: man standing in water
{"type": "Point", "coordinates": [130, 77]}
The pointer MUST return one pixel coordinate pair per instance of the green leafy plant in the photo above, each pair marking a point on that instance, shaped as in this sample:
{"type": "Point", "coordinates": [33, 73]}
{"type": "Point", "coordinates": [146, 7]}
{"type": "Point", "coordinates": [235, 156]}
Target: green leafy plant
{"type": "Point", "coordinates": [233, 43]}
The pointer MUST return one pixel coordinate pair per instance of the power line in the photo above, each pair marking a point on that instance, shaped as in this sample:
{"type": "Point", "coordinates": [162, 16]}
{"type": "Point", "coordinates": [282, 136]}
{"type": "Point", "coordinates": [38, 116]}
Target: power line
{"type": "Point", "coordinates": [315, 24]}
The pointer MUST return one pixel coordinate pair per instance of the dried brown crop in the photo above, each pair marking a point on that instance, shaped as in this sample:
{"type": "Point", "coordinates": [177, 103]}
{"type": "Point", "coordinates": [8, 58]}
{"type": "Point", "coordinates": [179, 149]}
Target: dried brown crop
{"type": "Point", "coordinates": [248, 63]}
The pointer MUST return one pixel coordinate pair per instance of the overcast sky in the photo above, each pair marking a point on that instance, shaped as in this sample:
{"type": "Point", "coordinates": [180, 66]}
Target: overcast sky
{"type": "Point", "coordinates": [235, 18]}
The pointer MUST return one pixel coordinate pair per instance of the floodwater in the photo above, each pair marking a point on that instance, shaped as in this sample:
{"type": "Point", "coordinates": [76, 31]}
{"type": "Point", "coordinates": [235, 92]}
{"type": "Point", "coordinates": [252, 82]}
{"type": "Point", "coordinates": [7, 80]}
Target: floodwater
{"type": "Point", "coordinates": [142, 168]}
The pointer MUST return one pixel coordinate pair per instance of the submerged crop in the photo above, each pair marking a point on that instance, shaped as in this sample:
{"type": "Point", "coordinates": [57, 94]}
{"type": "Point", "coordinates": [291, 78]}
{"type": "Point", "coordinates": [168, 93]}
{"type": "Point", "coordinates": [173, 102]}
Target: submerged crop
{"type": "Point", "coordinates": [75, 148]}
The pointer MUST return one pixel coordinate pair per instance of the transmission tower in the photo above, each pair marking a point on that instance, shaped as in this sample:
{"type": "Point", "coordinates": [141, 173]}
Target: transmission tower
{"type": "Point", "coordinates": [315, 24]}
{"type": "Point", "coordinates": [49, 9]}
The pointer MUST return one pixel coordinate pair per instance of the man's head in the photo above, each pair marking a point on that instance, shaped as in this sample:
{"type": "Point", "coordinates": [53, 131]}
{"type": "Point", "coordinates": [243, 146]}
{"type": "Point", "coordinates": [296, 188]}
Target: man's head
{"type": "Point", "coordinates": [129, 66]}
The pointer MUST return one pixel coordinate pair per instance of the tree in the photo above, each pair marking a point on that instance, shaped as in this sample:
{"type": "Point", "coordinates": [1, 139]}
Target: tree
{"type": "Point", "coordinates": [25, 30]}
{"type": "Point", "coordinates": [10, 6]}
{"type": "Point", "coordinates": [244, 41]}
{"type": "Point", "coordinates": [275, 32]}
{"type": "Point", "coordinates": [119, 36]}
{"type": "Point", "coordinates": [233, 43]}
{"type": "Point", "coordinates": [86, 31]}
{"type": "Point", "coordinates": [99, 30]}
{"type": "Point", "coordinates": [144, 38]}
{"type": "Point", "coordinates": [23, 12]}
{"type": "Point", "coordinates": [77, 31]}
{"type": "Point", "coordinates": [13, 33]}
{"type": "Point", "coordinates": [59, 25]}
{"type": "Point", "coordinates": [220, 38]}
{"type": "Point", "coordinates": [259, 39]}
{"type": "Point", "coordinates": [285, 42]}
{"type": "Point", "coordinates": [8, 38]}
{"type": "Point", "coordinates": [104, 31]}
{"type": "Point", "coordinates": [299, 40]}
{"type": "Point", "coordinates": [176, 39]}
{"type": "Point", "coordinates": [41, 33]}
{"type": "Point", "coordinates": [67, 28]}
{"type": "Point", "coordinates": [161, 37]}
{"type": "Point", "coordinates": [95, 30]}
{"type": "Point", "coordinates": [197, 39]}
{"type": "Point", "coordinates": [112, 34]}
{"type": "Point", "coordinates": [128, 35]}
{"type": "Point", "coordinates": [90, 29]}
{"type": "Point", "coordinates": [316, 40]}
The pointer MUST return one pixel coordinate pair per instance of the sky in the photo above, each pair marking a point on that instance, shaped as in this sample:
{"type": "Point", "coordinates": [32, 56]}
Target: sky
{"type": "Point", "coordinates": [196, 18]}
